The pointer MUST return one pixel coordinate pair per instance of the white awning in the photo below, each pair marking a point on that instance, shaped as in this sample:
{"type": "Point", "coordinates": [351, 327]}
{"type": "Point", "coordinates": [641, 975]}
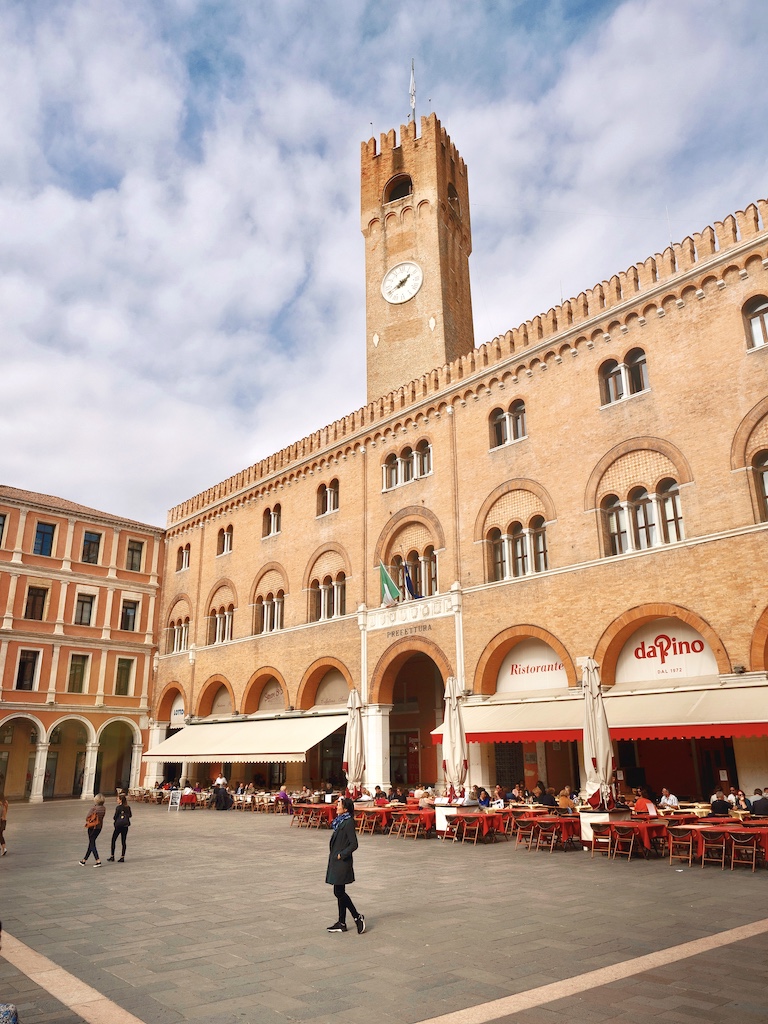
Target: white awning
{"type": "Point", "coordinates": [684, 713]}
{"type": "Point", "coordinates": [259, 741]}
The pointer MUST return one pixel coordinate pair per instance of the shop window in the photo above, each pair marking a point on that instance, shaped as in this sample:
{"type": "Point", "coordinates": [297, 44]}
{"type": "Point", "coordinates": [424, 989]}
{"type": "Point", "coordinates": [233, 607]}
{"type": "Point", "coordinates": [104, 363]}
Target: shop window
{"type": "Point", "coordinates": [756, 319]}
{"type": "Point", "coordinates": [35, 605]}
{"type": "Point", "coordinates": [91, 547]}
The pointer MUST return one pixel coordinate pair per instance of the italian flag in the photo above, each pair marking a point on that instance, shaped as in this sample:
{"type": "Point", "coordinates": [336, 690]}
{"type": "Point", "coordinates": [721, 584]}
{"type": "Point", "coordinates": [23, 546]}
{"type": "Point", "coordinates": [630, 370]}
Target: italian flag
{"type": "Point", "coordinates": [390, 593]}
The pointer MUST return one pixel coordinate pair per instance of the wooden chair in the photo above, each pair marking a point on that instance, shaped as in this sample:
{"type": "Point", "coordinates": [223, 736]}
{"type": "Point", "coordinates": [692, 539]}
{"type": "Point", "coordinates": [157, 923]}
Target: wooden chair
{"type": "Point", "coordinates": [510, 826]}
{"type": "Point", "coordinates": [744, 850]}
{"type": "Point", "coordinates": [471, 830]}
{"type": "Point", "coordinates": [623, 841]}
{"type": "Point", "coordinates": [454, 827]}
{"type": "Point", "coordinates": [714, 848]}
{"type": "Point", "coordinates": [525, 834]}
{"type": "Point", "coordinates": [548, 835]}
{"type": "Point", "coordinates": [681, 842]}
{"type": "Point", "coordinates": [359, 821]}
{"type": "Point", "coordinates": [398, 824]}
{"type": "Point", "coordinates": [601, 838]}
{"type": "Point", "coordinates": [370, 821]}
{"type": "Point", "coordinates": [414, 825]}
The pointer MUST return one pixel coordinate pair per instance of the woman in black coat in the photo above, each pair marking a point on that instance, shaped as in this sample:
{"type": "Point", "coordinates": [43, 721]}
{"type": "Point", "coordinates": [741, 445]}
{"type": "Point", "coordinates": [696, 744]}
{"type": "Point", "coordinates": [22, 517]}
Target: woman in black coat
{"type": "Point", "coordinates": [341, 872]}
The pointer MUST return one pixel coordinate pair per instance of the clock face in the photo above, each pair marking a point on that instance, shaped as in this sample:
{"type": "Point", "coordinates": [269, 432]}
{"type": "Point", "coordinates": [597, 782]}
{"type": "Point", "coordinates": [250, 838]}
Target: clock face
{"type": "Point", "coordinates": [402, 282]}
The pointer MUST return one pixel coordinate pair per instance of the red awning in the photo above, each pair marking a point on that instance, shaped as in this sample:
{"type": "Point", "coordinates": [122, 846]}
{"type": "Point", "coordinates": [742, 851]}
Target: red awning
{"type": "Point", "coordinates": [683, 713]}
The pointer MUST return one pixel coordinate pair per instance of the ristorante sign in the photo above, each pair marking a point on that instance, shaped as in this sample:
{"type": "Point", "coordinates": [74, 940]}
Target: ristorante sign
{"type": "Point", "coordinates": [531, 665]}
{"type": "Point", "coordinates": [665, 649]}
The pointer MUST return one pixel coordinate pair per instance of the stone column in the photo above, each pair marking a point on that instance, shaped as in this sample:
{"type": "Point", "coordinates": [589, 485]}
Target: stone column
{"type": "Point", "coordinates": [38, 776]}
{"type": "Point", "coordinates": [16, 557]}
{"type": "Point", "coordinates": [153, 771]}
{"type": "Point", "coordinates": [8, 616]}
{"type": "Point", "coordinates": [376, 731]}
{"type": "Point", "coordinates": [135, 775]}
{"type": "Point", "coordinates": [482, 765]}
{"type": "Point", "coordinates": [89, 773]}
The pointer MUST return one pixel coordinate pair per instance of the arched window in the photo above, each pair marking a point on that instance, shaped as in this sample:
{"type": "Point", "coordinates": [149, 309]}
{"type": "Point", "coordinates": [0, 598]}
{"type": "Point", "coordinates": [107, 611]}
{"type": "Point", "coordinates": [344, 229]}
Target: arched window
{"type": "Point", "coordinates": [398, 188]}
{"type": "Point", "coordinates": [637, 371]}
{"type": "Point", "coordinates": [258, 616]}
{"type": "Point", "coordinates": [498, 555]}
{"type": "Point", "coordinates": [760, 467]}
{"type": "Point", "coordinates": [327, 498]}
{"type": "Point", "coordinates": [423, 458]}
{"type": "Point", "coordinates": [519, 550]}
{"type": "Point", "coordinates": [539, 544]}
{"type": "Point", "coordinates": [178, 636]}
{"type": "Point", "coordinates": [315, 601]}
{"type": "Point", "coordinates": [517, 420]}
{"type": "Point", "coordinates": [390, 472]}
{"type": "Point", "coordinates": [429, 572]}
{"type": "Point", "coordinates": [499, 428]}
{"type": "Point", "coordinates": [413, 582]}
{"type": "Point", "coordinates": [756, 317]}
{"type": "Point", "coordinates": [643, 519]}
{"type": "Point", "coordinates": [406, 465]}
{"type": "Point", "coordinates": [615, 520]}
{"type": "Point", "coordinates": [182, 558]}
{"type": "Point", "coordinates": [271, 521]}
{"type": "Point", "coordinates": [671, 513]}
{"type": "Point", "coordinates": [611, 382]}
{"type": "Point", "coordinates": [224, 542]}
{"type": "Point", "coordinates": [339, 595]}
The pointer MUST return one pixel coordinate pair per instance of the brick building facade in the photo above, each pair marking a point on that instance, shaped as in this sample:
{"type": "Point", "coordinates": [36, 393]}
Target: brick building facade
{"type": "Point", "coordinates": [593, 482]}
{"type": "Point", "coordinates": [78, 598]}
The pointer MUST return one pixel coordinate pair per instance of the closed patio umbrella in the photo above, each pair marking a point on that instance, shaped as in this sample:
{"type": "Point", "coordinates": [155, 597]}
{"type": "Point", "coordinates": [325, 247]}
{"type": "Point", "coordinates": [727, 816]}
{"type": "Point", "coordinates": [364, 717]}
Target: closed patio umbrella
{"type": "Point", "coordinates": [455, 751]}
{"type": "Point", "coordinates": [354, 750]}
{"type": "Point", "coordinates": [598, 752]}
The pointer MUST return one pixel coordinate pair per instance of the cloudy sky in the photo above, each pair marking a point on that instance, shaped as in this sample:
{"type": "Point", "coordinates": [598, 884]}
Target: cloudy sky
{"type": "Point", "coordinates": [181, 265]}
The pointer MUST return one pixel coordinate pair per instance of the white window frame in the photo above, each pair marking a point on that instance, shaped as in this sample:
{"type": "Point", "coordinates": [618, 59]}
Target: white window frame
{"type": "Point", "coordinates": [38, 668]}
{"type": "Point", "coordinates": [136, 540]}
{"type": "Point", "coordinates": [85, 592]}
{"type": "Point", "coordinates": [131, 679]}
{"type": "Point", "coordinates": [86, 671]}
{"type": "Point", "coordinates": [134, 599]}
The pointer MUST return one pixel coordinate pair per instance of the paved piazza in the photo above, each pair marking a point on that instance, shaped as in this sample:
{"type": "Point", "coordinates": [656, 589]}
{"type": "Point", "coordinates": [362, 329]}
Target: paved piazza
{"type": "Point", "coordinates": [221, 918]}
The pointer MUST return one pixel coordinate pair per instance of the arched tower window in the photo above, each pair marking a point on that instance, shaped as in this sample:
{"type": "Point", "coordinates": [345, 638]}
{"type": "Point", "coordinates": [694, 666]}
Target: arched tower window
{"type": "Point", "coordinates": [760, 467]}
{"type": "Point", "coordinates": [756, 319]}
{"type": "Point", "coordinates": [539, 544]}
{"type": "Point", "coordinates": [453, 199]}
{"type": "Point", "coordinates": [637, 371]}
{"type": "Point", "coordinates": [499, 428]}
{"type": "Point", "coordinates": [498, 555]}
{"type": "Point", "coordinates": [611, 382]}
{"type": "Point", "coordinates": [398, 188]}
{"type": "Point", "coordinates": [643, 515]}
{"type": "Point", "coordinates": [615, 521]}
{"type": "Point", "coordinates": [671, 512]}
{"type": "Point", "coordinates": [517, 420]}
{"type": "Point", "coordinates": [224, 541]}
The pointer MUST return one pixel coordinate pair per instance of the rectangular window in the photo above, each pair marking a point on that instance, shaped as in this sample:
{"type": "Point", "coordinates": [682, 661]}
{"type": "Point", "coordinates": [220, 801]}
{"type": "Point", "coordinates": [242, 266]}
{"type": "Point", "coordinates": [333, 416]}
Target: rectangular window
{"type": "Point", "coordinates": [129, 615]}
{"type": "Point", "coordinates": [135, 551]}
{"type": "Point", "coordinates": [25, 677]}
{"type": "Point", "coordinates": [91, 545]}
{"type": "Point", "coordinates": [123, 677]}
{"type": "Point", "coordinates": [78, 666]}
{"type": "Point", "coordinates": [44, 539]}
{"type": "Point", "coordinates": [84, 609]}
{"type": "Point", "coordinates": [35, 607]}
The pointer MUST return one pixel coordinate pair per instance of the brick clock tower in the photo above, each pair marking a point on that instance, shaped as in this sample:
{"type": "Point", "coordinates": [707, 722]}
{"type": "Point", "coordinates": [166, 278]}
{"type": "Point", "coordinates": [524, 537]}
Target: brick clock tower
{"type": "Point", "coordinates": [415, 220]}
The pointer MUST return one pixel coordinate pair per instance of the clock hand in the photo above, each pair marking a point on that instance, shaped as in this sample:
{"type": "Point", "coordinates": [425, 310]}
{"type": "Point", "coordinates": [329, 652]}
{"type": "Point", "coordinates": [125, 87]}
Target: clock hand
{"type": "Point", "coordinates": [403, 281]}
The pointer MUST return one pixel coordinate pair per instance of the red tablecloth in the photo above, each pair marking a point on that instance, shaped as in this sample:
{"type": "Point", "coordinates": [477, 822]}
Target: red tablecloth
{"type": "Point", "coordinates": [427, 816]}
{"type": "Point", "coordinates": [568, 827]}
{"type": "Point", "coordinates": [489, 822]}
{"type": "Point", "coordinates": [189, 799]}
{"type": "Point", "coordinates": [327, 811]}
{"type": "Point", "coordinates": [739, 828]}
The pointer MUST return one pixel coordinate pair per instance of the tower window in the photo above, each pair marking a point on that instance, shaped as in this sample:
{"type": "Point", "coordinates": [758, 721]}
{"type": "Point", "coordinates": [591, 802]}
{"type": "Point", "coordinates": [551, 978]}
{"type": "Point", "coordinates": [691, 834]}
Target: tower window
{"type": "Point", "coordinates": [328, 498]}
{"type": "Point", "coordinates": [508, 426]}
{"type": "Point", "coordinates": [620, 380]}
{"type": "Point", "coordinates": [398, 188]}
{"type": "Point", "coordinates": [224, 541]}
{"type": "Point", "coordinates": [756, 317]}
{"type": "Point", "coordinates": [271, 521]}
{"type": "Point", "coordinates": [453, 199]}
{"type": "Point", "coordinates": [182, 558]}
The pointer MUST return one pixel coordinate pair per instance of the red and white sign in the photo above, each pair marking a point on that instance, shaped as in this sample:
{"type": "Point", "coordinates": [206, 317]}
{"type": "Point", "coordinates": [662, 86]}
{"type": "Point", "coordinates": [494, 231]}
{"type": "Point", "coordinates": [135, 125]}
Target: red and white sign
{"type": "Point", "coordinates": [531, 665]}
{"type": "Point", "coordinates": [665, 649]}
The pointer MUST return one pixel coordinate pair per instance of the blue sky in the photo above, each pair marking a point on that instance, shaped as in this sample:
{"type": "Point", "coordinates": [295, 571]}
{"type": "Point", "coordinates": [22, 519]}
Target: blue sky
{"type": "Point", "coordinates": [181, 265]}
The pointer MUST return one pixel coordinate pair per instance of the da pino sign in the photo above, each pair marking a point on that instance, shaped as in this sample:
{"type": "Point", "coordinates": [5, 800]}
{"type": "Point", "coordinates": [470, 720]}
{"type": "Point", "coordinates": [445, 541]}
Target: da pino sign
{"type": "Point", "coordinates": [666, 649]}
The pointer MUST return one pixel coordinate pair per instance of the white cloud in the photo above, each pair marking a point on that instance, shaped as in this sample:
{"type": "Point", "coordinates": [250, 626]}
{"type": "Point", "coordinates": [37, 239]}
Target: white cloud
{"type": "Point", "coordinates": [181, 269]}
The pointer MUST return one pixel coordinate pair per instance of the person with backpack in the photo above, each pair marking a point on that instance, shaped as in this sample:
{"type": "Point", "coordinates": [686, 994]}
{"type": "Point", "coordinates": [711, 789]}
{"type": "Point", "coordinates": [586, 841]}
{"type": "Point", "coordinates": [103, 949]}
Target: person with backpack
{"type": "Point", "coordinates": [122, 820]}
{"type": "Point", "coordinates": [94, 823]}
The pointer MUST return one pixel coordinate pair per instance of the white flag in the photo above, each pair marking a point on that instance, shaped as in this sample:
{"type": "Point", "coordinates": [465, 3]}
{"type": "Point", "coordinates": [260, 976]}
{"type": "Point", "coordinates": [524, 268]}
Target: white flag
{"type": "Point", "coordinates": [412, 92]}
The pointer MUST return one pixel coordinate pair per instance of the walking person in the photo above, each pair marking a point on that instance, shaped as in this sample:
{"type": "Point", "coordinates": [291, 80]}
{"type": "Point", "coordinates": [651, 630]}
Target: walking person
{"type": "Point", "coordinates": [340, 872]}
{"type": "Point", "coordinates": [3, 822]}
{"type": "Point", "coordinates": [94, 823]}
{"type": "Point", "coordinates": [122, 822]}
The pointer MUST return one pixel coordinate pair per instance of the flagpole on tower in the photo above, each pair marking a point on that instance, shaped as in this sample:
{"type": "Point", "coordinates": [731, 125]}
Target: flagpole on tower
{"type": "Point", "coordinates": [412, 92]}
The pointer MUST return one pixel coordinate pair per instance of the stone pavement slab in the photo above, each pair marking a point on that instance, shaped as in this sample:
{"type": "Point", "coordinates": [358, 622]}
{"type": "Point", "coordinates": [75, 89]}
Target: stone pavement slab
{"type": "Point", "coordinates": [220, 917]}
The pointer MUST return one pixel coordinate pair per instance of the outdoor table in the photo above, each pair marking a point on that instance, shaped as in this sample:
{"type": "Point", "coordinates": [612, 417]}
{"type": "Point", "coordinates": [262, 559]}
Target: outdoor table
{"type": "Point", "coordinates": [679, 818]}
{"type": "Point", "coordinates": [490, 823]}
{"type": "Point", "coordinates": [190, 800]}
{"type": "Point", "coordinates": [700, 830]}
{"type": "Point", "coordinates": [569, 828]}
{"type": "Point", "coordinates": [649, 829]}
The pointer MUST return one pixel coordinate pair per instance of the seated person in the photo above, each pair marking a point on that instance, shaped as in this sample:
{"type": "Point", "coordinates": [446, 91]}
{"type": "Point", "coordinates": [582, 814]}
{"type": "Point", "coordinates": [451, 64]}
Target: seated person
{"type": "Point", "coordinates": [284, 797]}
{"type": "Point", "coordinates": [549, 799]}
{"type": "Point", "coordinates": [483, 799]}
{"type": "Point", "coordinates": [719, 808]}
{"type": "Point", "coordinates": [760, 803]}
{"type": "Point", "coordinates": [516, 795]}
{"type": "Point", "coordinates": [564, 801]}
{"type": "Point", "coordinates": [644, 804]}
{"type": "Point", "coordinates": [379, 796]}
{"type": "Point", "coordinates": [499, 794]}
{"type": "Point", "coordinates": [742, 803]}
{"type": "Point", "coordinates": [397, 796]}
{"type": "Point", "coordinates": [668, 799]}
